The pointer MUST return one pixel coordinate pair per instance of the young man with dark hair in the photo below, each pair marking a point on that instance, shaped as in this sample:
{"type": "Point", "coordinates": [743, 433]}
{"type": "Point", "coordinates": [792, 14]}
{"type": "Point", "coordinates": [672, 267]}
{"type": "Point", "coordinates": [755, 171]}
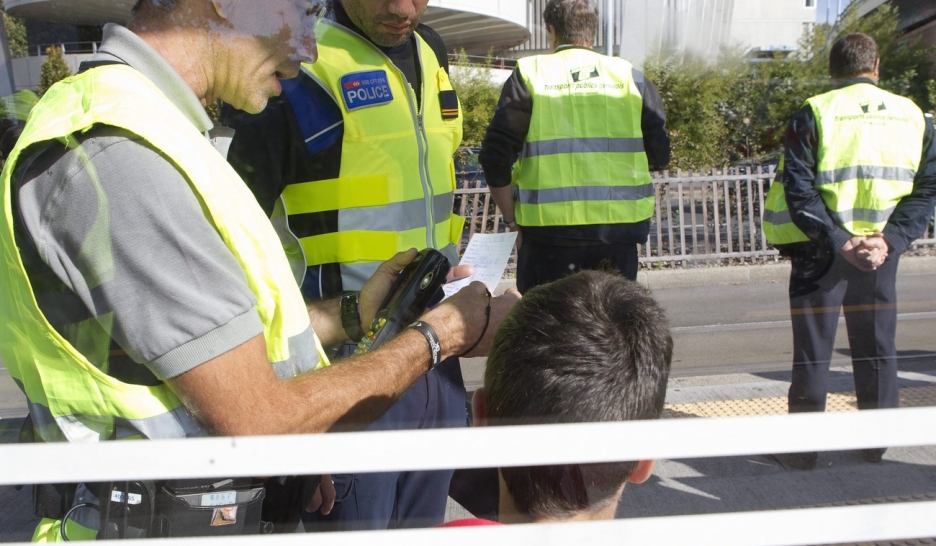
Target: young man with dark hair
{"type": "Point", "coordinates": [591, 347]}
{"type": "Point", "coordinates": [857, 186]}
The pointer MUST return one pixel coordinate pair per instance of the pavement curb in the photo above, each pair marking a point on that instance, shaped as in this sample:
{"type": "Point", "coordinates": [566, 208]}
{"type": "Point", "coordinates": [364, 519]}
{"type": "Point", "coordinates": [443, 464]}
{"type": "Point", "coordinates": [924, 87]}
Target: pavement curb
{"type": "Point", "coordinates": [702, 276]}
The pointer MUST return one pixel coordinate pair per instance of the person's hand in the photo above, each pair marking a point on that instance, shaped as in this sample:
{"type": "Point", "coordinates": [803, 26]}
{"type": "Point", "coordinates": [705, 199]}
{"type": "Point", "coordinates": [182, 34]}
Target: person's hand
{"type": "Point", "coordinates": [865, 260]}
{"type": "Point", "coordinates": [459, 272]}
{"type": "Point", "coordinates": [378, 286]}
{"type": "Point", "coordinates": [519, 238]}
{"type": "Point", "coordinates": [460, 320]}
{"type": "Point", "coordinates": [324, 497]}
{"type": "Point", "coordinates": [873, 250]}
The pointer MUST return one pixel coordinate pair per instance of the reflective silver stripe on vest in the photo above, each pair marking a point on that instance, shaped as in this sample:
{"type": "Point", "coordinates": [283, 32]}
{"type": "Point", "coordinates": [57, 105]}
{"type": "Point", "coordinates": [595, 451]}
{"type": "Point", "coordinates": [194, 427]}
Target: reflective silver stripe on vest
{"type": "Point", "coordinates": [865, 172]}
{"type": "Point", "coordinates": [584, 193]}
{"type": "Point", "coordinates": [583, 146]}
{"type": "Point", "coordinates": [402, 216]}
{"type": "Point", "coordinates": [777, 218]}
{"type": "Point", "coordinates": [303, 356]}
{"type": "Point", "coordinates": [863, 215]}
{"type": "Point", "coordinates": [88, 428]}
{"type": "Point", "coordinates": [353, 276]}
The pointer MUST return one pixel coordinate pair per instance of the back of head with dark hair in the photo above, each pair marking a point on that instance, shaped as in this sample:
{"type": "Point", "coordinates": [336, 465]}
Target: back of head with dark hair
{"type": "Point", "coordinates": [592, 347]}
{"type": "Point", "coordinates": [575, 21]}
{"type": "Point", "coordinates": [852, 55]}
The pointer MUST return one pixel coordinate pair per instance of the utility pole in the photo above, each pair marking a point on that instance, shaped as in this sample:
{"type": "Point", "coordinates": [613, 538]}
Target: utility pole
{"type": "Point", "coordinates": [609, 29]}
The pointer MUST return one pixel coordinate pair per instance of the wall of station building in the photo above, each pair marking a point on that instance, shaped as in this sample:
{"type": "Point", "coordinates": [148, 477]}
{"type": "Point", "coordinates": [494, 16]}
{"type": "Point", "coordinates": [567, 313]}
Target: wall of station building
{"type": "Point", "coordinates": [644, 27]}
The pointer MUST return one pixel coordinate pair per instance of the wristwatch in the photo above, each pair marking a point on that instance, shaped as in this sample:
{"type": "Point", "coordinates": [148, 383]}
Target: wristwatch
{"type": "Point", "coordinates": [512, 225]}
{"type": "Point", "coordinates": [350, 317]}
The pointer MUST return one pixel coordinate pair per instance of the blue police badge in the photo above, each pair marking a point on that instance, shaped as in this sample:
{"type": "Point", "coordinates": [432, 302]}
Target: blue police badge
{"type": "Point", "coordinates": [363, 89]}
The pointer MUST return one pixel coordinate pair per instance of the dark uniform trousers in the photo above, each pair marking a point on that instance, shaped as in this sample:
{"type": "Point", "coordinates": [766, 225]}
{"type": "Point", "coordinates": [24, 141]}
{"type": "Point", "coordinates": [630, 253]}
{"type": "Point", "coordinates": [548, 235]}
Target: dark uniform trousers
{"type": "Point", "coordinates": [869, 300]}
{"type": "Point", "coordinates": [399, 500]}
{"type": "Point", "coordinates": [539, 263]}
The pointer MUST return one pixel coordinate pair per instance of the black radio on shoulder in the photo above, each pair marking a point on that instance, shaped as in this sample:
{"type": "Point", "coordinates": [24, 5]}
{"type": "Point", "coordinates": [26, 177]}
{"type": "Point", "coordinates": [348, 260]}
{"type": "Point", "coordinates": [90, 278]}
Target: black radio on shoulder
{"type": "Point", "coordinates": [418, 287]}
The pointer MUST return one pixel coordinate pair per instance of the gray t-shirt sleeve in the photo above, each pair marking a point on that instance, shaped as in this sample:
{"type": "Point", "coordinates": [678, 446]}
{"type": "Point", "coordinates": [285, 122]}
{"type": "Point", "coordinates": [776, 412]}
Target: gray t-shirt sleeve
{"type": "Point", "coordinates": [122, 228]}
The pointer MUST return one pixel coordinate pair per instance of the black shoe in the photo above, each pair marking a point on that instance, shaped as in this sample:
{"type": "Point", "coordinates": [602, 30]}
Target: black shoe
{"type": "Point", "coordinates": [799, 461]}
{"type": "Point", "coordinates": [873, 455]}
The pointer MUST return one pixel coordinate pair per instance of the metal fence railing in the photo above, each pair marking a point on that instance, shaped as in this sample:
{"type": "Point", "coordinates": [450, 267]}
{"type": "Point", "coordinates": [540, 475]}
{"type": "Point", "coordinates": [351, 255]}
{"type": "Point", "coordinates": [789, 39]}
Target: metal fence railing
{"type": "Point", "coordinates": [701, 218]}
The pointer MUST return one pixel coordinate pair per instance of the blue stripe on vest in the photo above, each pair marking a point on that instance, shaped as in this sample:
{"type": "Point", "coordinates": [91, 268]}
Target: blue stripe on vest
{"type": "Point", "coordinates": [319, 118]}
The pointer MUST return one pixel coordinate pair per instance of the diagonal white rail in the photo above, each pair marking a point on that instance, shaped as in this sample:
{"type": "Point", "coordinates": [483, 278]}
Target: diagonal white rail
{"type": "Point", "coordinates": [530, 445]}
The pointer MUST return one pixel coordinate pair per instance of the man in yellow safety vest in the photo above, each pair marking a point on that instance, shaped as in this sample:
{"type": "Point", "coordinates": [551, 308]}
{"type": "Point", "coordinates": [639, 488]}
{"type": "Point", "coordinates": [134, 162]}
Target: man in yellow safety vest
{"type": "Point", "coordinates": [143, 293]}
{"type": "Point", "coordinates": [857, 186]}
{"type": "Point", "coordinates": [577, 133]}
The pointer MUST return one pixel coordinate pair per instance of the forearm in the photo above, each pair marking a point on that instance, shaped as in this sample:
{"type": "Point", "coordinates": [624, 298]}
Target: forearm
{"type": "Point", "coordinates": [505, 202]}
{"type": "Point", "coordinates": [807, 209]}
{"type": "Point", "coordinates": [238, 394]}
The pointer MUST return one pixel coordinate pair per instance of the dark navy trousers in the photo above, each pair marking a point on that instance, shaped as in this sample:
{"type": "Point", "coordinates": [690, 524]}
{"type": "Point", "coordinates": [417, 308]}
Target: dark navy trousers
{"type": "Point", "coordinates": [539, 263]}
{"type": "Point", "coordinates": [399, 500]}
{"type": "Point", "coordinates": [869, 301]}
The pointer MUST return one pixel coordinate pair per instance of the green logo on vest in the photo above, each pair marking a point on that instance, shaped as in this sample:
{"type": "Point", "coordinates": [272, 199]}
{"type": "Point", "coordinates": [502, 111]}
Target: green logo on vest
{"type": "Point", "coordinates": [584, 73]}
{"type": "Point", "coordinates": [876, 106]}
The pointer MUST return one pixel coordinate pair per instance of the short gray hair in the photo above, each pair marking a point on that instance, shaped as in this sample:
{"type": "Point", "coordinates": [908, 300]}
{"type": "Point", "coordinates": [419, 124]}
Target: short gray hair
{"type": "Point", "coordinates": [852, 55]}
{"type": "Point", "coordinates": [575, 21]}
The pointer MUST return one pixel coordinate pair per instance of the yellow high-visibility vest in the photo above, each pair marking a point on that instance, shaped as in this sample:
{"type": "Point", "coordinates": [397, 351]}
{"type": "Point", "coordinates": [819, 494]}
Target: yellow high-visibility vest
{"type": "Point", "coordinates": [869, 150]}
{"type": "Point", "coordinates": [397, 176]}
{"type": "Point", "coordinates": [583, 161]}
{"type": "Point", "coordinates": [71, 397]}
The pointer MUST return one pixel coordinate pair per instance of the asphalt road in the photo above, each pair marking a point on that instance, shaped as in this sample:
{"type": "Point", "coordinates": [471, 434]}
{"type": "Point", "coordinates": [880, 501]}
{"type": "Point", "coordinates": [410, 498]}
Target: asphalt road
{"type": "Point", "coordinates": [745, 327]}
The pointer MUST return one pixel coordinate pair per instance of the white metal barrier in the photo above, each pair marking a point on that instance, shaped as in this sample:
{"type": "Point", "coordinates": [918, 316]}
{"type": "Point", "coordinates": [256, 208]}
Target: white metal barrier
{"type": "Point", "coordinates": [530, 445]}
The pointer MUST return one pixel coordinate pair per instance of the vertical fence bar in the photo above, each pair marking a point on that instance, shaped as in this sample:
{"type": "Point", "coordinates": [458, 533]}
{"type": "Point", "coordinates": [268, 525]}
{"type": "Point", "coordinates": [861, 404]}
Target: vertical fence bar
{"type": "Point", "coordinates": [739, 214]}
{"type": "Point", "coordinates": [671, 242]}
{"type": "Point", "coordinates": [752, 228]}
{"type": "Point", "coordinates": [693, 221]}
{"type": "Point", "coordinates": [716, 220]}
{"type": "Point", "coordinates": [728, 228]}
{"type": "Point", "coordinates": [682, 216]}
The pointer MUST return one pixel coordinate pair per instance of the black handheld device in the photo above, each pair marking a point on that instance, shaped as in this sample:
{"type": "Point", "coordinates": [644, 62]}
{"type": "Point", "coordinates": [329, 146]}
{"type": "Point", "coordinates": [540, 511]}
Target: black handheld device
{"type": "Point", "coordinates": [418, 287]}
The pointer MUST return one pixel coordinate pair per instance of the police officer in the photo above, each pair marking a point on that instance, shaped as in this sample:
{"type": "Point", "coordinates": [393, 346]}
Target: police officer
{"type": "Point", "coordinates": [143, 294]}
{"type": "Point", "coordinates": [587, 130]}
{"type": "Point", "coordinates": [857, 186]}
{"type": "Point", "coordinates": [355, 161]}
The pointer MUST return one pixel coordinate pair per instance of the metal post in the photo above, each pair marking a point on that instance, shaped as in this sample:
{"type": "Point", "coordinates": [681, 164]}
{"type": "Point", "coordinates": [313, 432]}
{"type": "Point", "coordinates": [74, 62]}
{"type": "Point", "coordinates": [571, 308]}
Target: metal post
{"type": "Point", "coordinates": [609, 29]}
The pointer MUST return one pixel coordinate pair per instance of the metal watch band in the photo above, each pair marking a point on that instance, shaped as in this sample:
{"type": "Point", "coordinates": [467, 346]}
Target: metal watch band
{"type": "Point", "coordinates": [350, 317]}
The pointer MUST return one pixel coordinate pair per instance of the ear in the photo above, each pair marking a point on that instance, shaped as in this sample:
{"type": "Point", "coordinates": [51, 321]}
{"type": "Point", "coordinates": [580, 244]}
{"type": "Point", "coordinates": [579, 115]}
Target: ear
{"type": "Point", "coordinates": [478, 411]}
{"type": "Point", "coordinates": [642, 472]}
{"type": "Point", "coordinates": [877, 68]}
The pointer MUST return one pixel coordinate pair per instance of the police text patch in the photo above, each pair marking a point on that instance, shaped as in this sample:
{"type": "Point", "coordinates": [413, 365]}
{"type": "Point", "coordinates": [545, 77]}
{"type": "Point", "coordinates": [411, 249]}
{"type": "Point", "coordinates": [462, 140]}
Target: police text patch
{"type": "Point", "coordinates": [362, 89]}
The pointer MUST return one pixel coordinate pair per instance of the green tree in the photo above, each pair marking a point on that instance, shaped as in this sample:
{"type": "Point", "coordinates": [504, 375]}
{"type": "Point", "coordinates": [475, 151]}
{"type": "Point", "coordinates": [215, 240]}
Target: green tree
{"type": "Point", "coordinates": [16, 34]}
{"type": "Point", "coordinates": [477, 94]}
{"type": "Point", "coordinates": [54, 69]}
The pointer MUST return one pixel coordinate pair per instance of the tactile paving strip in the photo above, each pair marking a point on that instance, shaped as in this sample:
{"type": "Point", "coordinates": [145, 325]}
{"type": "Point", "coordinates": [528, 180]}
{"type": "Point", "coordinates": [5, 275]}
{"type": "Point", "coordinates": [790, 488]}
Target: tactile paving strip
{"type": "Point", "coordinates": [910, 397]}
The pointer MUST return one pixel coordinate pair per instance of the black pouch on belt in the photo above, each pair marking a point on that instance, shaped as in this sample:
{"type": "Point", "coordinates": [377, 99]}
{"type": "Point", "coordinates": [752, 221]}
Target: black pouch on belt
{"type": "Point", "coordinates": [219, 507]}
